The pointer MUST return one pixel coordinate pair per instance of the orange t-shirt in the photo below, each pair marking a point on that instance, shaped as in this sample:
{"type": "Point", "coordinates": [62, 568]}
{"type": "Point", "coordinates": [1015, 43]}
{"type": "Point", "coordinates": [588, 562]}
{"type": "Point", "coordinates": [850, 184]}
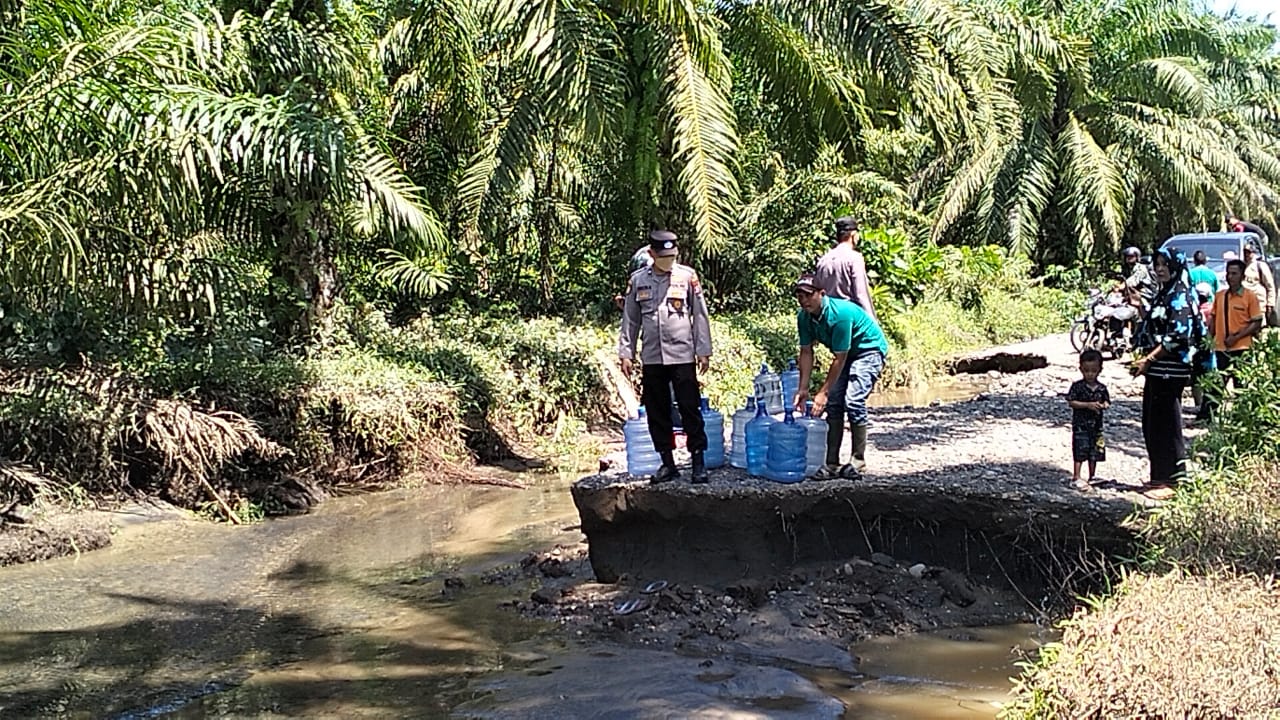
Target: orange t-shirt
{"type": "Point", "coordinates": [1232, 311]}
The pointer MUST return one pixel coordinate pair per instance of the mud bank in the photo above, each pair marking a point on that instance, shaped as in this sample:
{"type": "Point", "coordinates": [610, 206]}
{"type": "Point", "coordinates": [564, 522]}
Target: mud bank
{"type": "Point", "coordinates": [1032, 539]}
{"type": "Point", "coordinates": [47, 538]}
{"type": "Point", "coordinates": [807, 617]}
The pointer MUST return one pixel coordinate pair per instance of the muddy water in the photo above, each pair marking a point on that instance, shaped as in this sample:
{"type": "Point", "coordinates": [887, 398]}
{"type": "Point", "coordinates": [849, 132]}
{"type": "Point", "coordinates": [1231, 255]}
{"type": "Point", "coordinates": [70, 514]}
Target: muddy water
{"type": "Point", "coordinates": [945, 675]}
{"type": "Point", "coordinates": [947, 390]}
{"type": "Point", "coordinates": [339, 612]}
{"type": "Point", "coordinates": [347, 613]}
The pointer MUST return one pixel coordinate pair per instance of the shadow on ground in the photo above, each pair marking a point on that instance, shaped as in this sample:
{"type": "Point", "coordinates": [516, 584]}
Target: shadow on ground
{"type": "Point", "coordinates": [904, 428]}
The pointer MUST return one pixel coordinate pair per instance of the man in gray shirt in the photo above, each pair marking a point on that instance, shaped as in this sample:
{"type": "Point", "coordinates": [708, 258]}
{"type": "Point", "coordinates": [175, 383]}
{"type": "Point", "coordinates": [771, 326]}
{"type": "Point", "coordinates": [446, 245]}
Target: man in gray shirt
{"type": "Point", "coordinates": [842, 271]}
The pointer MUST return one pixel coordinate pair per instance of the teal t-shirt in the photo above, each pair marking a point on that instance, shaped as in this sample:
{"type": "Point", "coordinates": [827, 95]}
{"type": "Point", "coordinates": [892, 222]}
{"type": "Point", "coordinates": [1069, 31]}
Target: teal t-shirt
{"type": "Point", "coordinates": [842, 326]}
{"type": "Point", "coordinates": [1202, 274]}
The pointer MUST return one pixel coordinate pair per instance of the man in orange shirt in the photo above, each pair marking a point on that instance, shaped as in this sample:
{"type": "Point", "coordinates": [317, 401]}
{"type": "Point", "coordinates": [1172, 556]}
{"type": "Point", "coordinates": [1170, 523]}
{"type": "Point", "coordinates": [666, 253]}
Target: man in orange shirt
{"type": "Point", "coordinates": [1237, 318]}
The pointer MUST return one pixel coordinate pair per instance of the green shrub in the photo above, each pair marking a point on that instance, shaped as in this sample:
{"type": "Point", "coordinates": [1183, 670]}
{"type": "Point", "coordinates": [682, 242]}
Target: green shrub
{"type": "Point", "coordinates": [1228, 517]}
{"type": "Point", "coordinates": [1008, 317]}
{"type": "Point", "coordinates": [924, 337]}
{"type": "Point", "coordinates": [1248, 425]}
{"type": "Point", "coordinates": [369, 407]}
{"type": "Point", "coordinates": [67, 424]}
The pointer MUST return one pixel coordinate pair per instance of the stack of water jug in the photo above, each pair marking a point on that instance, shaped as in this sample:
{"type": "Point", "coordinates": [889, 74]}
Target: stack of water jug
{"type": "Point", "coordinates": [785, 448]}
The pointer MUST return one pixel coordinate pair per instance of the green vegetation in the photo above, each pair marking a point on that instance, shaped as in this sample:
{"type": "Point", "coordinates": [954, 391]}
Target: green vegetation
{"type": "Point", "coordinates": [252, 248]}
{"type": "Point", "coordinates": [1198, 613]}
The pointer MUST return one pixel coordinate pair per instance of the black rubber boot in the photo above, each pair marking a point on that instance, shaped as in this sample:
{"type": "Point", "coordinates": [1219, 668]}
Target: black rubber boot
{"type": "Point", "coordinates": [699, 469]}
{"type": "Point", "coordinates": [665, 474]}
{"type": "Point", "coordinates": [668, 471]}
{"type": "Point", "coordinates": [859, 460]}
{"type": "Point", "coordinates": [835, 436]}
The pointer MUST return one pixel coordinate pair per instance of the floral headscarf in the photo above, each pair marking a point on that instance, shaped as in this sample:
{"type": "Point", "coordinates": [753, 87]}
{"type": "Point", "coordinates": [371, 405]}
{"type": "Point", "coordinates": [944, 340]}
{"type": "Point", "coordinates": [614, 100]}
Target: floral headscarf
{"type": "Point", "coordinates": [1175, 321]}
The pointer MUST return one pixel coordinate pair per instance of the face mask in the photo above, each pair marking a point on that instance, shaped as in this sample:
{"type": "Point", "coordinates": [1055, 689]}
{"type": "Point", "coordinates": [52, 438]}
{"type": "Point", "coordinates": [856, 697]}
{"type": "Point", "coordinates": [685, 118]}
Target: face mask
{"type": "Point", "coordinates": [664, 263]}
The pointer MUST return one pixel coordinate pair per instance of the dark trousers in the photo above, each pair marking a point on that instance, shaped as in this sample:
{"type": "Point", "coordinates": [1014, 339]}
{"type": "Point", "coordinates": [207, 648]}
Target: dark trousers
{"type": "Point", "coordinates": [1162, 429]}
{"type": "Point", "coordinates": [1212, 400]}
{"type": "Point", "coordinates": [659, 381]}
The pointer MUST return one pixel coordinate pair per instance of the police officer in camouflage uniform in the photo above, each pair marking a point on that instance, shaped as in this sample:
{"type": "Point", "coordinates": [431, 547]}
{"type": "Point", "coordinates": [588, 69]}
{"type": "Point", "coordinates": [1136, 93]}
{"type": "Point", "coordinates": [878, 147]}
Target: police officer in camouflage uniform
{"type": "Point", "coordinates": [664, 304]}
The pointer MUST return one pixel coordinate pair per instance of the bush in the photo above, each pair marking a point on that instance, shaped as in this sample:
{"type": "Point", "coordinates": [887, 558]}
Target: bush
{"type": "Point", "coordinates": [67, 424]}
{"type": "Point", "coordinates": [518, 384]}
{"type": "Point", "coordinates": [365, 408]}
{"type": "Point", "coordinates": [1248, 426]}
{"type": "Point", "coordinates": [1225, 518]}
{"type": "Point", "coordinates": [924, 337]}
{"type": "Point", "coordinates": [1163, 646]}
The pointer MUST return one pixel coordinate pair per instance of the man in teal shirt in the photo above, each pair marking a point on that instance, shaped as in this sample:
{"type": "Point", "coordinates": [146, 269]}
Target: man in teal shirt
{"type": "Point", "coordinates": [859, 347]}
{"type": "Point", "coordinates": [1200, 273]}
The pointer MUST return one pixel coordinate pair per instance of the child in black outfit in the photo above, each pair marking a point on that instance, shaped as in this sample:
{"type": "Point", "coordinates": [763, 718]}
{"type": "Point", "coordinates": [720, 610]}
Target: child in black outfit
{"type": "Point", "coordinates": [1087, 399]}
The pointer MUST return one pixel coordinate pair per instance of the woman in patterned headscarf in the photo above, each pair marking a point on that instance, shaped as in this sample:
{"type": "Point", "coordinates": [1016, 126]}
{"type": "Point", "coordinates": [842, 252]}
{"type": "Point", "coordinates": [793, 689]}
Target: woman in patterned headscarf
{"type": "Point", "coordinates": [1169, 341]}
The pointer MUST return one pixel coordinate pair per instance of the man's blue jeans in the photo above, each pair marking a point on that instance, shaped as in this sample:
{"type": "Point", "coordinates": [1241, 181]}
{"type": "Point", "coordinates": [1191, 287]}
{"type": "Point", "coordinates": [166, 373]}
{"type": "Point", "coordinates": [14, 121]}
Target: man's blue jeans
{"type": "Point", "coordinates": [850, 393]}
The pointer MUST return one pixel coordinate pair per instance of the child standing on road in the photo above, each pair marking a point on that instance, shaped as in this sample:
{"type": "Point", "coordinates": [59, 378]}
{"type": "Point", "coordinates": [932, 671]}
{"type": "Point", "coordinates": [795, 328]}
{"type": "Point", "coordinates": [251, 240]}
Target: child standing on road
{"type": "Point", "coordinates": [1087, 399]}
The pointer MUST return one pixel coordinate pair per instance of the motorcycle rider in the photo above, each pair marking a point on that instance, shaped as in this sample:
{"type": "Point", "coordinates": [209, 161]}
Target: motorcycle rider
{"type": "Point", "coordinates": [1137, 283]}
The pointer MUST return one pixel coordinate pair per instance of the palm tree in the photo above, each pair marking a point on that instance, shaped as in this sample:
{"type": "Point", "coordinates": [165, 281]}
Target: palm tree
{"type": "Point", "coordinates": [1115, 116]}
{"type": "Point", "coordinates": [139, 138]}
{"type": "Point", "coordinates": [635, 99]}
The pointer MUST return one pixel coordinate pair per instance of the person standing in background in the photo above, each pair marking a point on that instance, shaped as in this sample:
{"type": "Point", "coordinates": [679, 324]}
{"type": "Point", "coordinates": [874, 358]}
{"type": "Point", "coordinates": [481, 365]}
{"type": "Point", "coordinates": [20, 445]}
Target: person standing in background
{"type": "Point", "coordinates": [1237, 318]}
{"type": "Point", "coordinates": [1259, 279]}
{"type": "Point", "coordinates": [1200, 273]}
{"type": "Point", "coordinates": [640, 259]}
{"type": "Point", "coordinates": [842, 271]}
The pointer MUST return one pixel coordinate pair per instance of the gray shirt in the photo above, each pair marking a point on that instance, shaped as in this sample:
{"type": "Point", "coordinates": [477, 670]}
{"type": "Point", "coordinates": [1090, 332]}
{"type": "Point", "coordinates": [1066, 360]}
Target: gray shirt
{"type": "Point", "coordinates": [668, 311]}
{"type": "Point", "coordinates": [842, 272]}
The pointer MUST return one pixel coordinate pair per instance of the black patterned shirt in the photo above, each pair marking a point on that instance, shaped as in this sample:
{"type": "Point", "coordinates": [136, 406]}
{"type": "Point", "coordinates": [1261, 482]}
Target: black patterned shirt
{"type": "Point", "coordinates": [1087, 421]}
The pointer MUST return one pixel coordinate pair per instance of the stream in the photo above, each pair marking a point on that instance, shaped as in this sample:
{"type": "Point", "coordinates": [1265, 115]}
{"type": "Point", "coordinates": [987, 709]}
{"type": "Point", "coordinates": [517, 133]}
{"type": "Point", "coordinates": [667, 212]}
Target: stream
{"type": "Point", "coordinates": [372, 606]}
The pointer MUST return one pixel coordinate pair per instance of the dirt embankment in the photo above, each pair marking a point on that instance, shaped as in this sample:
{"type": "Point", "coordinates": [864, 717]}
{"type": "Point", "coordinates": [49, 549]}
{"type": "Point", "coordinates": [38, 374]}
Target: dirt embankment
{"type": "Point", "coordinates": [61, 534]}
{"type": "Point", "coordinates": [974, 497]}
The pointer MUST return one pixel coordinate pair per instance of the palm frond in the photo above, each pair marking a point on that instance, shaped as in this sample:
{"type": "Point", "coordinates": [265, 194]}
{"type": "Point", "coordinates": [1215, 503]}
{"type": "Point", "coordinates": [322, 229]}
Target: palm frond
{"type": "Point", "coordinates": [422, 276]}
{"type": "Point", "coordinates": [704, 139]}
{"type": "Point", "coordinates": [1094, 191]}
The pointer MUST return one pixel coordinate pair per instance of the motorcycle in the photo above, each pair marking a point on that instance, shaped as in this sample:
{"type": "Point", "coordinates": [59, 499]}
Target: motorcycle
{"type": "Point", "coordinates": [1108, 324]}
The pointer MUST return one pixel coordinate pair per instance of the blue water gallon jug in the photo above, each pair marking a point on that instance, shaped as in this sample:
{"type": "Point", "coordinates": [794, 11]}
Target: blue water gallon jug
{"type": "Point", "coordinates": [738, 448]}
{"type": "Point", "coordinates": [757, 436]}
{"type": "Point", "coordinates": [642, 459]}
{"type": "Point", "coordinates": [786, 456]}
{"type": "Point", "coordinates": [790, 383]}
{"type": "Point", "coordinates": [769, 389]}
{"type": "Point", "coordinates": [714, 422]}
{"type": "Point", "coordinates": [816, 444]}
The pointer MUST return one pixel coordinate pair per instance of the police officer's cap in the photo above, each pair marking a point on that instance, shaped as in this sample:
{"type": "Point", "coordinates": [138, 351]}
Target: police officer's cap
{"type": "Point", "coordinates": [663, 243]}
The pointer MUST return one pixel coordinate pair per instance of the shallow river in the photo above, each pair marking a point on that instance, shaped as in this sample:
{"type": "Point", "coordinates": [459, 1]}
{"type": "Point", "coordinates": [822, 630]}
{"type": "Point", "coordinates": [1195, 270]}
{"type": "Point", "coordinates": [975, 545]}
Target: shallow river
{"type": "Point", "coordinates": [345, 613]}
